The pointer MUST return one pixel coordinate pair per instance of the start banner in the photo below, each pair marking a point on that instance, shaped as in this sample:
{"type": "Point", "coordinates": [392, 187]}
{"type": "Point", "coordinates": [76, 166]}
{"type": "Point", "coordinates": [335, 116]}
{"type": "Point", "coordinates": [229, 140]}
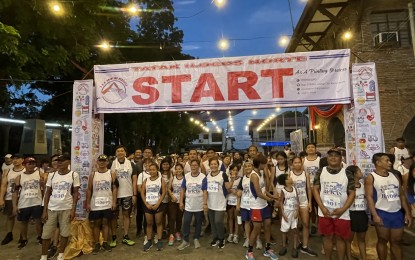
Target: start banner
{"type": "Point", "coordinates": [284, 80]}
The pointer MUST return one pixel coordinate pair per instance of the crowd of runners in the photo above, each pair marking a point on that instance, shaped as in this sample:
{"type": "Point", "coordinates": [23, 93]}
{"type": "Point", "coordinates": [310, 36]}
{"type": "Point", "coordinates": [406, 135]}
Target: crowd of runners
{"type": "Point", "coordinates": [233, 197]}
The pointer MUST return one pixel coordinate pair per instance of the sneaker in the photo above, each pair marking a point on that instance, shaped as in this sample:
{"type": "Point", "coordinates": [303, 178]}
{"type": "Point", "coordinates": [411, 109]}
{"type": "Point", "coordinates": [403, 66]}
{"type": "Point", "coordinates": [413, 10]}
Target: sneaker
{"type": "Point", "coordinates": [221, 243]}
{"type": "Point", "coordinates": [294, 253]}
{"type": "Point", "coordinates": [171, 240]}
{"type": "Point", "coordinates": [197, 243]}
{"type": "Point", "coordinates": [183, 245]}
{"type": "Point", "coordinates": [258, 244]}
{"type": "Point", "coordinates": [215, 242]}
{"type": "Point", "coordinates": [249, 256]}
{"type": "Point", "coordinates": [246, 243]}
{"type": "Point", "coordinates": [96, 249]}
{"type": "Point", "coordinates": [7, 239]}
{"type": "Point", "coordinates": [230, 238]}
{"type": "Point", "coordinates": [53, 250]}
{"type": "Point", "coordinates": [127, 241]}
{"type": "Point", "coordinates": [178, 237]}
{"type": "Point", "coordinates": [235, 239]}
{"type": "Point", "coordinates": [270, 253]}
{"type": "Point", "coordinates": [106, 246]}
{"type": "Point", "coordinates": [282, 251]}
{"type": "Point", "coordinates": [22, 244]}
{"type": "Point", "coordinates": [113, 243]}
{"type": "Point", "coordinates": [148, 245]}
{"type": "Point", "coordinates": [308, 251]}
{"type": "Point", "coordinates": [159, 245]}
{"type": "Point", "coordinates": [145, 240]}
{"type": "Point", "coordinates": [164, 234]}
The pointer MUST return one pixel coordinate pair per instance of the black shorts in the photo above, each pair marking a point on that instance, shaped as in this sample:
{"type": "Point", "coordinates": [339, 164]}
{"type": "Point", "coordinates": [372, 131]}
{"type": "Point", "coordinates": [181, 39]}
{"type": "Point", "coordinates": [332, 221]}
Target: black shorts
{"type": "Point", "coordinates": [358, 221]}
{"type": "Point", "coordinates": [100, 214]}
{"type": "Point", "coordinates": [229, 207]}
{"type": "Point", "coordinates": [8, 208]}
{"type": "Point", "coordinates": [125, 203]}
{"type": "Point", "coordinates": [26, 214]}
{"type": "Point", "coordinates": [161, 208]}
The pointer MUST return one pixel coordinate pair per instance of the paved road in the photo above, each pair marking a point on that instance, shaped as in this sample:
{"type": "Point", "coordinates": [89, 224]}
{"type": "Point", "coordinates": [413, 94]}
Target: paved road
{"type": "Point", "coordinates": [231, 251]}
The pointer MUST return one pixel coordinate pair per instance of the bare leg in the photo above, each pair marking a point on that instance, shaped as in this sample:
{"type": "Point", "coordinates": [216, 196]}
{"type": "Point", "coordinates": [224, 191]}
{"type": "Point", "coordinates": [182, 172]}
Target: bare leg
{"type": "Point", "coordinates": [395, 247]}
{"type": "Point", "coordinates": [105, 229]}
{"type": "Point", "coordinates": [62, 245]}
{"type": "Point", "coordinates": [341, 247]}
{"type": "Point", "coordinates": [381, 246]}
{"type": "Point", "coordinates": [23, 229]}
{"type": "Point", "coordinates": [361, 238]}
{"type": "Point", "coordinates": [328, 246]}
{"type": "Point", "coordinates": [149, 220]}
{"type": "Point", "coordinates": [126, 220]}
{"type": "Point", "coordinates": [349, 246]}
{"type": "Point", "coordinates": [159, 223]}
{"type": "Point", "coordinates": [97, 229]}
{"type": "Point", "coordinates": [231, 220]}
{"type": "Point", "coordinates": [295, 237]}
{"type": "Point", "coordinates": [305, 219]}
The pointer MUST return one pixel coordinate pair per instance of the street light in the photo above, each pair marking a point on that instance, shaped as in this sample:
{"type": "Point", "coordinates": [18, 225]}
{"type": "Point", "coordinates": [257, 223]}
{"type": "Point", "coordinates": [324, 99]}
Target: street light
{"type": "Point", "coordinates": [219, 3]}
{"type": "Point", "coordinates": [283, 41]}
{"type": "Point", "coordinates": [347, 35]}
{"type": "Point", "coordinates": [223, 44]}
{"type": "Point", "coordinates": [56, 8]}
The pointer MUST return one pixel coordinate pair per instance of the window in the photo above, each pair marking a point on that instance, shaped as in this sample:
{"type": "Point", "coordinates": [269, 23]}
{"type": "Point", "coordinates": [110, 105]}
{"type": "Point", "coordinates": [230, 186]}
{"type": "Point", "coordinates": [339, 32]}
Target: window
{"type": "Point", "coordinates": [396, 21]}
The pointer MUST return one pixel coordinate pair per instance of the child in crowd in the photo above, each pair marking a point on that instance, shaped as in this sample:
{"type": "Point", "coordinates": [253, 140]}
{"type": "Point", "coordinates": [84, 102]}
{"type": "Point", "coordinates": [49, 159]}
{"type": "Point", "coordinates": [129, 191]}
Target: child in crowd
{"type": "Point", "coordinates": [358, 216]}
{"type": "Point", "coordinates": [175, 214]}
{"type": "Point", "coordinates": [289, 208]}
{"type": "Point", "coordinates": [153, 192]}
{"type": "Point", "coordinates": [301, 181]}
{"type": "Point", "coordinates": [281, 167]}
{"type": "Point", "coordinates": [243, 201]}
{"type": "Point", "coordinates": [232, 202]}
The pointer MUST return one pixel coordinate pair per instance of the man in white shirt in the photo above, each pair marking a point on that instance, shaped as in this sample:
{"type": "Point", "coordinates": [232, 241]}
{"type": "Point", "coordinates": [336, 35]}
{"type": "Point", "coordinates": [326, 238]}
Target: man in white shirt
{"type": "Point", "coordinates": [61, 197]}
{"type": "Point", "coordinates": [8, 163]}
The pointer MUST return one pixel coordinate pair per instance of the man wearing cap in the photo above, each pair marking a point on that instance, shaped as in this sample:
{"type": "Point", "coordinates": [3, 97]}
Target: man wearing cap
{"type": "Point", "coordinates": [126, 174]}
{"type": "Point", "coordinates": [27, 199]}
{"type": "Point", "coordinates": [61, 196]}
{"type": "Point", "coordinates": [334, 192]}
{"type": "Point", "coordinates": [101, 199]}
{"type": "Point", "coordinates": [6, 193]}
{"type": "Point", "coordinates": [8, 163]}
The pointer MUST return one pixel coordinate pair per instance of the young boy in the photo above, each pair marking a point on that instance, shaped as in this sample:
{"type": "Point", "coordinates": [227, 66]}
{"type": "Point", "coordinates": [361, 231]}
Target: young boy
{"type": "Point", "coordinates": [289, 210]}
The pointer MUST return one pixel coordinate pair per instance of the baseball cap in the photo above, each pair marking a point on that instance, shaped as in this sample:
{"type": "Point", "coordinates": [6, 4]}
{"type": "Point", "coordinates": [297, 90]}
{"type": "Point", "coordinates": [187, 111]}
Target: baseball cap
{"type": "Point", "coordinates": [18, 155]}
{"type": "Point", "coordinates": [8, 156]}
{"type": "Point", "coordinates": [29, 159]}
{"type": "Point", "coordinates": [63, 157]}
{"type": "Point", "coordinates": [334, 151]}
{"type": "Point", "coordinates": [102, 157]}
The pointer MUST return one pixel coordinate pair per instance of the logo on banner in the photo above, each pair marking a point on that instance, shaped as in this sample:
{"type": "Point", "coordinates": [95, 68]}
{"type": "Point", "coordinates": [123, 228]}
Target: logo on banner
{"type": "Point", "coordinates": [83, 89]}
{"type": "Point", "coordinates": [114, 90]}
{"type": "Point", "coordinates": [365, 73]}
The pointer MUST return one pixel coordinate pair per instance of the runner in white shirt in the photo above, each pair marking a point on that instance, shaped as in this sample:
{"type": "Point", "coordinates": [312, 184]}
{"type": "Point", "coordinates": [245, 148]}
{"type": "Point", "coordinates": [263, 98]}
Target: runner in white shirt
{"type": "Point", "coordinates": [27, 199]}
{"type": "Point", "coordinates": [175, 214]}
{"type": "Point", "coordinates": [153, 192]}
{"type": "Point", "coordinates": [302, 184]}
{"type": "Point", "coordinates": [126, 174]}
{"type": "Point", "coordinates": [399, 151]}
{"type": "Point", "coordinates": [7, 165]}
{"type": "Point", "coordinates": [193, 200]}
{"type": "Point", "coordinates": [232, 199]}
{"type": "Point", "coordinates": [61, 197]}
{"type": "Point", "coordinates": [7, 189]}
{"type": "Point", "coordinates": [244, 194]}
{"type": "Point", "coordinates": [101, 200]}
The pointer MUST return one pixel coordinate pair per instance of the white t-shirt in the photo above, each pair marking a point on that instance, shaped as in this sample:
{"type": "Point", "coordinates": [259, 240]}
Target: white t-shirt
{"type": "Point", "coordinates": [217, 191]}
{"type": "Point", "coordinates": [101, 191]}
{"type": "Point", "coordinates": [123, 172]}
{"type": "Point", "coordinates": [194, 187]}
{"type": "Point", "coordinates": [359, 203]}
{"type": "Point", "coordinates": [11, 177]}
{"type": "Point", "coordinates": [30, 193]}
{"type": "Point", "coordinates": [232, 198]}
{"type": "Point", "coordinates": [311, 167]}
{"type": "Point", "coordinates": [256, 202]}
{"type": "Point", "coordinates": [245, 186]}
{"type": "Point", "coordinates": [153, 190]}
{"type": "Point", "coordinates": [176, 186]}
{"type": "Point", "coordinates": [6, 167]}
{"type": "Point", "coordinates": [290, 199]}
{"type": "Point", "coordinates": [386, 192]}
{"type": "Point", "coordinates": [300, 183]}
{"type": "Point", "coordinates": [333, 191]}
{"type": "Point", "coordinates": [399, 153]}
{"type": "Point", "coordinates": [61, 185]}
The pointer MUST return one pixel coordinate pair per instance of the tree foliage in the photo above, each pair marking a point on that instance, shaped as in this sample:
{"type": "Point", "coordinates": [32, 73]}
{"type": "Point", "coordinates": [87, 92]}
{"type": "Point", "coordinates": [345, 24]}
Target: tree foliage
{"type": "Point", "coordinates": [41, 47]}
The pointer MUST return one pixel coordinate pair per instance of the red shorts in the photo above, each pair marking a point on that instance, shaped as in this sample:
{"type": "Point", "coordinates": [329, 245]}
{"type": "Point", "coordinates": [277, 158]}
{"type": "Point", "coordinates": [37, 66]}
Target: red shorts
{"type": "Point", "coordinates": [334, 226]}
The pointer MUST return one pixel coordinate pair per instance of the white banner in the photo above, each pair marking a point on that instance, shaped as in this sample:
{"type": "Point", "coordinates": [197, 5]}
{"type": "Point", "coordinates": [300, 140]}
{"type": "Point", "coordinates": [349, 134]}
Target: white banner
{"type": "Point", "coordinates": [82, 133]}
{"type": "Point", "coordinates": [350, 137]}
{"type": "Point", "coordinates": [296, 140]}
{"type": "Point", "coordinates": [284, 80]}
{"type": "Point", "coordinates": [369, 136]}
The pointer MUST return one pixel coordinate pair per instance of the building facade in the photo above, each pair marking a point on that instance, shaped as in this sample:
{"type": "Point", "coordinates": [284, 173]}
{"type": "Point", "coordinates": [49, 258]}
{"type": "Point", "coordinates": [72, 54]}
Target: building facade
{"type": "Point", "coordinates": [376, 31]}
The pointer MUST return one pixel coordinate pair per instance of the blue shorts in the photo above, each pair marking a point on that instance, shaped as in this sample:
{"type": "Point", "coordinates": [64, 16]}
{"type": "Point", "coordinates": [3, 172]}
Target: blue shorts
{"type": "Point", "coordinates": [259, 215]}
{"type": "Point", "coordinates": [25, 214]}
{"type": "Point", "coordinates": [245, 214]}
{"type": "Point", "coordinates": [393, 220]}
